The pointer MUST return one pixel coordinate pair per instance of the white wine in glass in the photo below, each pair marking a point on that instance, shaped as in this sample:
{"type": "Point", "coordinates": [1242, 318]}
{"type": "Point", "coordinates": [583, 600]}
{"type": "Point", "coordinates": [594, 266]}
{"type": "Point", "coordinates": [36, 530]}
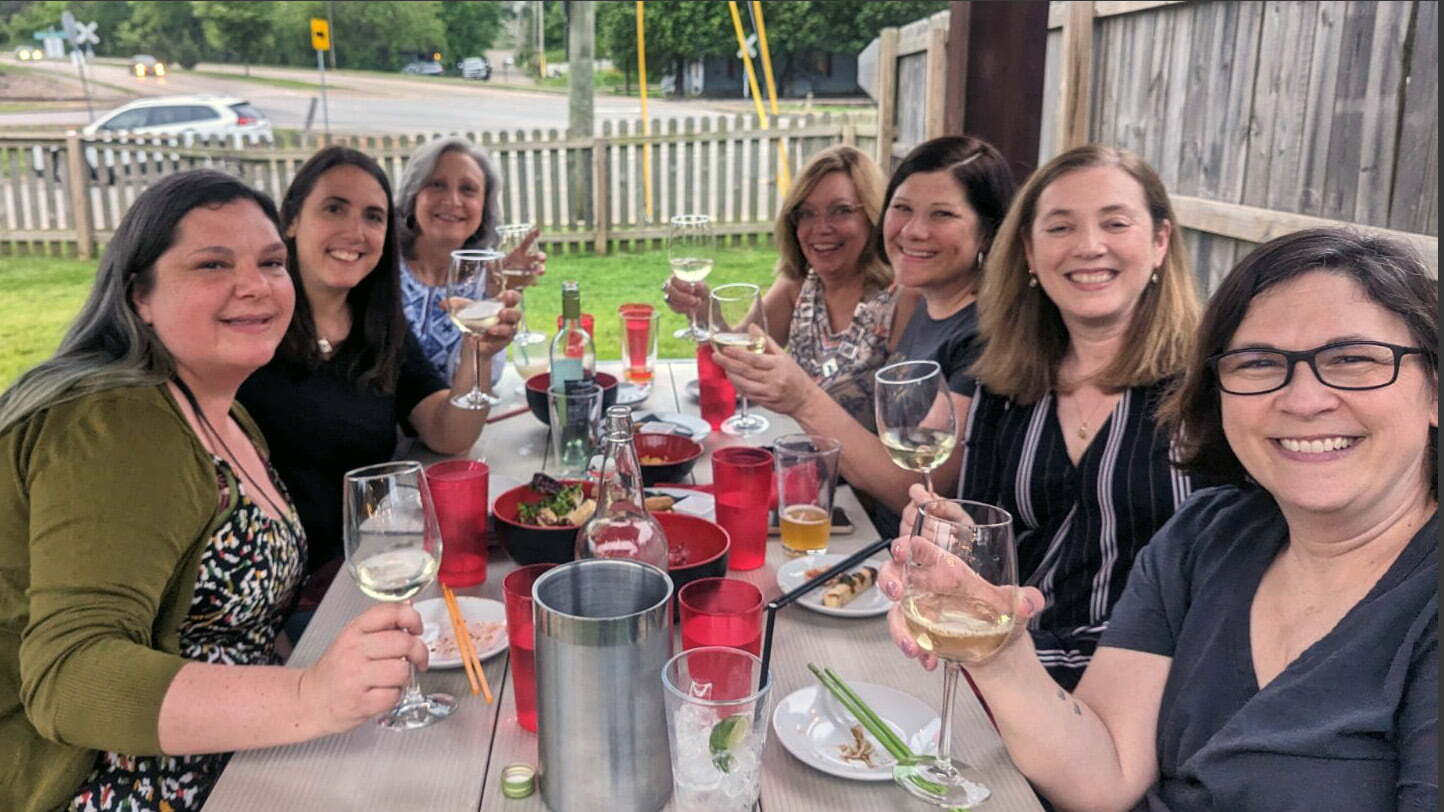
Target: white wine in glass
{"type": "Point", "coordinates": [392, 543]}
{"type": "Point", "coordinates": [518, 277]}
{"type": "Point", "coordinates": [915, 418]}
{"type": "Point", "coordinates": [691, 250]}
{"type": "Point", "coordinates": [736, 319]}
{"type": "Point", "coordinates": [960, 601]}
{"type": "Point", "coordinates": [469, 281]}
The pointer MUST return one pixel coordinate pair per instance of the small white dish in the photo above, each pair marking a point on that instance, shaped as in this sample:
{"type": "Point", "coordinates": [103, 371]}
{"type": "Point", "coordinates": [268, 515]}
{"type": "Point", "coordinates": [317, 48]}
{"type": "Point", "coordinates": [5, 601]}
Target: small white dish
{"type": "Point", "coordinates": [486, 617]}
{"type": "Point", "coordinates": [672, 423]}
{"type": "Point", "coordinates": [793, 574]}
{"type": "Point", "coordinates": [694, 503]}
{"type": "Point", "coordinates": [630, 394]}
{"type": "Point", "coordinates": [814, 727]}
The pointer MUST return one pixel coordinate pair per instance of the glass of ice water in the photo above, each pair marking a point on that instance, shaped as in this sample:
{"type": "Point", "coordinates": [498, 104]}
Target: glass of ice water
{"type": "Point", "coordinates": [717, 725]}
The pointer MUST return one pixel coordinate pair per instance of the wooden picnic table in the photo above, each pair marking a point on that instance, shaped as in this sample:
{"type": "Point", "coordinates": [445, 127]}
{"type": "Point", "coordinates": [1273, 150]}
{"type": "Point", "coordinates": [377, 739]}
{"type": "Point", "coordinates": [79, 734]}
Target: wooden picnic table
{"type": "Point", "coordinates": [456, 764]}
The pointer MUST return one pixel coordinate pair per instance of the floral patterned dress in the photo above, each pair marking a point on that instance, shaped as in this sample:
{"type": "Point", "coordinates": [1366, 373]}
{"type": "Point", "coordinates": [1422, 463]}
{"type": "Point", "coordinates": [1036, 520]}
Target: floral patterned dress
{"type": "Point", "coordinates": [249, 573]}
{"type": "Point", "coordinates": [842, 363]}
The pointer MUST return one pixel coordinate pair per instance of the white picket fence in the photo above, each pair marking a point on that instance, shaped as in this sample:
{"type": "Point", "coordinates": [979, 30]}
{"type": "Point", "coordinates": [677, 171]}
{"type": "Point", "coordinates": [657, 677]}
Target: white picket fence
{"type": "Point", "coordinates": [67, 194]}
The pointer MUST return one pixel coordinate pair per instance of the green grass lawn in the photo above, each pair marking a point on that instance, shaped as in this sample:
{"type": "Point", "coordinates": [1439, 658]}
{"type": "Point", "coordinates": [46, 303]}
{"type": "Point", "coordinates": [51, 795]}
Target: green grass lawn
{"type": "Point", "coordinates": [273, 81]}
{"type": "Point", "coordinates": [40, 295]}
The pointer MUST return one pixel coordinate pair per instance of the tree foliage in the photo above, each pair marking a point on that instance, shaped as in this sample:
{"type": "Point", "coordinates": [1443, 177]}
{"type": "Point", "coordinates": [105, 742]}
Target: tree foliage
{"type": "Point", "coordinates": [241, 29]}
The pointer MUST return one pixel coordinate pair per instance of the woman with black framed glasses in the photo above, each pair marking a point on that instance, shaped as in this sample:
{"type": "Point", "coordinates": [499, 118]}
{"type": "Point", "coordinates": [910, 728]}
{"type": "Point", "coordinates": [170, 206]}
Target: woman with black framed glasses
{"type": "Point", "coordinates": [1277, 644]}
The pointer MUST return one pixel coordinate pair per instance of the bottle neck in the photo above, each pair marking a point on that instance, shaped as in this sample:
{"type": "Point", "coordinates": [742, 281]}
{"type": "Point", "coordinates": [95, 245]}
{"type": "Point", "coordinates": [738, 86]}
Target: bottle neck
{"type": "Point", "coordinates": [620, 478]}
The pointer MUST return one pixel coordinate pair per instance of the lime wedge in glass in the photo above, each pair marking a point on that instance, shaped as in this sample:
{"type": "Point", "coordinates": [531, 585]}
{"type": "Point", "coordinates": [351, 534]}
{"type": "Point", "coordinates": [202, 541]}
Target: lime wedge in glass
{"type": "Point", "coordinates": [726, 735]}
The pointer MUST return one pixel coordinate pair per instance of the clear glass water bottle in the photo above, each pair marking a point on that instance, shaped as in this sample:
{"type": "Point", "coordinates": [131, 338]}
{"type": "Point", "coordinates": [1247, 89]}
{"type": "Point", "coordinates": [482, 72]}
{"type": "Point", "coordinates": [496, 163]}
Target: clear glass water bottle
{"type": "Point", "coordinates": [621, 527]}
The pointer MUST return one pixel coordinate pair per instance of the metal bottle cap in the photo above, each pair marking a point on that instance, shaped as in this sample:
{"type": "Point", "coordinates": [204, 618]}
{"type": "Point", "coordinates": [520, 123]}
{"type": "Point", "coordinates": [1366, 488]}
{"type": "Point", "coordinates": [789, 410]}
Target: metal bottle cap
{"type": "Point", "coordinates": [518, 780]}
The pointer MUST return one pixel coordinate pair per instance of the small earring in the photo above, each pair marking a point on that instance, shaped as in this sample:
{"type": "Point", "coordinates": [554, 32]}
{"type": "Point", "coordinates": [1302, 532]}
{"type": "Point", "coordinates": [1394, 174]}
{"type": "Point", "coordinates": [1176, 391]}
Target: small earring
{"type": "Point", "coordinates": [1153, 280]}
{"type": "Point", "coordinates": [1032, 280]}
{"type": "Point", "coordinates": [981, 259]}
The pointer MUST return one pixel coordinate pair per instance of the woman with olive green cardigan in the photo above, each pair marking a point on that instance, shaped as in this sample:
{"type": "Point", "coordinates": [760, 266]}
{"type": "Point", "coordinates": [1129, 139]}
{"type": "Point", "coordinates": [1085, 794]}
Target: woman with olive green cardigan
{"type": "Point", "coordinates": [108, 505]}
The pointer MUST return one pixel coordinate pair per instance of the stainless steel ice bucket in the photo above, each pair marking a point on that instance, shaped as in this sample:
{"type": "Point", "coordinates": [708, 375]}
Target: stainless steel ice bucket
{"type": "Point", "coordinates": [603, 634]}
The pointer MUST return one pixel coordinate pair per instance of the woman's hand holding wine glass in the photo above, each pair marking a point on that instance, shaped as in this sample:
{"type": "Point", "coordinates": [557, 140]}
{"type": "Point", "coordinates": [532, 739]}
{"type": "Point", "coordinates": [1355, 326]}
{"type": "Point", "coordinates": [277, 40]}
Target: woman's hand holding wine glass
{"type": "Point", "coordinates": [915, 417]}
{"type": "Point", "coordinates": [365, 669]}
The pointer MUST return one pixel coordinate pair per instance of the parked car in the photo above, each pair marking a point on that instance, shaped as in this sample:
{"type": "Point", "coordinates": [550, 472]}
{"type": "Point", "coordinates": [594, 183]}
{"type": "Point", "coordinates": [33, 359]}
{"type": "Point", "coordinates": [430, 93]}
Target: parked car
{"type": "Point", "coordinates": [144, 64]}
{"type": "Point", "coordinates": [424, 68]}
{"type": "Point", "coordinates": [180, 119]}
{"type": "Point", "coordinates": [27, 54]}
{"type": "Point", "coordinates": [474, 67]}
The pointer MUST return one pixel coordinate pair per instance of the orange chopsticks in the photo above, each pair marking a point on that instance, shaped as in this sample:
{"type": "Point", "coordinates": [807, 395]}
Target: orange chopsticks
{"type": "Point", "coordinates": [474, 674]}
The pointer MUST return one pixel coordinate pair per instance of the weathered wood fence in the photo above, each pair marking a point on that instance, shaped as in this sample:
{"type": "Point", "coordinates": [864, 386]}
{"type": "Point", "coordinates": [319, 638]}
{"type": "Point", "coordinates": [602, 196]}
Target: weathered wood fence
{"type": "Point", "coordinates": [69, 193]}
{"type": "Point", "coordinates": [1261, 117]}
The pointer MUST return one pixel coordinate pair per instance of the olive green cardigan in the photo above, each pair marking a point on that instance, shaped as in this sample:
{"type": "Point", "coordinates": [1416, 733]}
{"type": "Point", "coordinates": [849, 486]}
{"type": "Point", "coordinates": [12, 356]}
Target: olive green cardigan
{"type": "Point", "coordinates": [106, 504]}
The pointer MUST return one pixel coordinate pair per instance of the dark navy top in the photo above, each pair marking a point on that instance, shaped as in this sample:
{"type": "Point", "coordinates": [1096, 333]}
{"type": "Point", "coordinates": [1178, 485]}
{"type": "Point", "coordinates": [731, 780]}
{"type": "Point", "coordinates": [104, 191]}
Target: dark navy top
{"type": "Point", "coordinates": [1351, 724]}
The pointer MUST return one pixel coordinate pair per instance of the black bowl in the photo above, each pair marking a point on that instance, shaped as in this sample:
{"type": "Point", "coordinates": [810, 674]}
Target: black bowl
{"type": "Point", "coordinates": [533, 543]}
{"type": "Point", "coordinates": [678, 455]}
{"type": "Point", "coordinates": [536, 394]}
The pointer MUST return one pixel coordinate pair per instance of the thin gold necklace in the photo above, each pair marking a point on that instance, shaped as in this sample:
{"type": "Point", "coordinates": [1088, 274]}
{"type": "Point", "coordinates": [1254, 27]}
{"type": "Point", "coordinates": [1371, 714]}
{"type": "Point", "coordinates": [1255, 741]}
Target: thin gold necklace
{"type": "Point", "coordinates": [1083, 430]}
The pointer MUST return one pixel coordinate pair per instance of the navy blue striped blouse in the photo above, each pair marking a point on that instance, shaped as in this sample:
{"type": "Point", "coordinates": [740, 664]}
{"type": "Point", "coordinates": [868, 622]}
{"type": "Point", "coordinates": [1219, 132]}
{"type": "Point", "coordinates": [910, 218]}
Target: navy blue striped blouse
{"type": "Point", "coordinates": [1077, 527]}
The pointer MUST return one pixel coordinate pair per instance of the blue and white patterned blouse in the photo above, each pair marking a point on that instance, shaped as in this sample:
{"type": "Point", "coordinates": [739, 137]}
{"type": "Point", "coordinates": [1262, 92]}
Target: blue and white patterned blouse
{"type": "Point", "coordinates": [440, 339]}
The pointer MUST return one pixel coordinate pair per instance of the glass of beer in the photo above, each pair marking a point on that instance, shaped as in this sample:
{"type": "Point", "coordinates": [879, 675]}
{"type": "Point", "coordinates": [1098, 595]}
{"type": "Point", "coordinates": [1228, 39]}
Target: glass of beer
{"type": "Point", "coordinates": [806, 476]}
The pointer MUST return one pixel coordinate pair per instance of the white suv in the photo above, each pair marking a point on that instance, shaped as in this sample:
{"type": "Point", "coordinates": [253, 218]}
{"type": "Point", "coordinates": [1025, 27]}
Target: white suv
{"type": "Point", "coordinates": [178, 115]}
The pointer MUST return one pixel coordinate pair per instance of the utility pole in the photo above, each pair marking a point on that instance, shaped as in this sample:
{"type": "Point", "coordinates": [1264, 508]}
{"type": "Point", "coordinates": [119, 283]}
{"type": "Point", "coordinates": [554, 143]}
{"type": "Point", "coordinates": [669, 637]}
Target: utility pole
{"type": "Point", "coordinates": [331, 24]}
{"type": "Point", "coordinates": [581, 45]}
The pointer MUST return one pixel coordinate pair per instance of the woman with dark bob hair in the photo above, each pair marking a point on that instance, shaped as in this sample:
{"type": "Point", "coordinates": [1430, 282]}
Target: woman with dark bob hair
{"type": "Point", "coordinates": [148, 551]}
{"type": "Point", "coordinates": [349, 373]}
{"type": "Point", "coordinates": [1277, 644]}
{"type": "Point", "coordinates": [940, 212]}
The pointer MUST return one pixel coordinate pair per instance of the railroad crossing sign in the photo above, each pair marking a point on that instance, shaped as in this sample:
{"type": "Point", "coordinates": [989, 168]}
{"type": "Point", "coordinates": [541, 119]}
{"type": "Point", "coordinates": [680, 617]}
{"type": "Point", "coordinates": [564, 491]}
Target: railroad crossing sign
{"type": "Point", "coordinates": [85, 34]}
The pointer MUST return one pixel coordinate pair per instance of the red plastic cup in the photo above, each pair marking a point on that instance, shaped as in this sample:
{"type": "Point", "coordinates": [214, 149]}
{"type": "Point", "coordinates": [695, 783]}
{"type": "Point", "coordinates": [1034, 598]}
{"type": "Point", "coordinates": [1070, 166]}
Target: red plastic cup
{"type": "Point", "coordinates": [459, 489]}
{"type": "Point", "coordinates": [516, 594]}
{"type": "Point", "coordinates": [639, 341]}
{"type": "Point", "coordinates": [742, 486]}
{"type": "Point", "coordinates": [721, 612]}
{"type": "Point", "coordinates": [718, 398]}
{"type": "Point", "coordinates": [587, 324]}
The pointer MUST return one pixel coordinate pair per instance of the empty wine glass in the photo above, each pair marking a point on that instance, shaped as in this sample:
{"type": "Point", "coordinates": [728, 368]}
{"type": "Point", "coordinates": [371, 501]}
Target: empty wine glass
{"type": "Point", "coordinates": [915, 418]}
{"type": "Point", "coordinates": [963, 614]}
{"type": "Point", "coordinates": [518, 277]}
{"type": "Point", "coordinates": [736, 319]}
{"type": "Point", "coordinates": [470, 281]}
{"type": "Point", "coordinates": [691, 250]}
{"type": "Point", "coordinates": [393, 547]}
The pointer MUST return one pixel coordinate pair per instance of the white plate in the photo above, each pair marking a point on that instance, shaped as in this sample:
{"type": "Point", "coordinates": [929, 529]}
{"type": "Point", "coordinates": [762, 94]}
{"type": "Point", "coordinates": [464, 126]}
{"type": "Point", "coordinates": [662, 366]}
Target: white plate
{"type": "Point", "coordinates": [813, 726]}
{"type": "Point", "coordinates": [693, 503]}
{"type": "Point", "coordinates": [870, 603]}
{"type": "Point", "coordinates": [436, 627]}
{"type": "Point", "coordinates": [672, 423]}
{"type": "Point", "coordinates": [630, 394]}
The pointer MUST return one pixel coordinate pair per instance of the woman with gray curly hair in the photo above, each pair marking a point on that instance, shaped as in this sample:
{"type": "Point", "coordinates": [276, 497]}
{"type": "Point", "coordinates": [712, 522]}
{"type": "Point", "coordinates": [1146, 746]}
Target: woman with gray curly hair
{"type": "Point", "coordinates": [449, 199]}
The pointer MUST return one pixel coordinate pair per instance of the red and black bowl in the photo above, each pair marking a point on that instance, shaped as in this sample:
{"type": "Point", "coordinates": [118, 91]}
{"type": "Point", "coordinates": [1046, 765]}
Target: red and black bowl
{"type": "Point", "coordinates": [533, 543]}
{"type": "Point", "coordinates": [536, 394]}
{"type": "Point", "coordinates": [698, 548]}
{"type": "Point", "coordinates": [673, 455]}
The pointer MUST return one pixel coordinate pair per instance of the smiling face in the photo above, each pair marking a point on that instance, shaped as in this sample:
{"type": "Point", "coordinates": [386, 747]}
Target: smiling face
{"type": "Point", "coordinates": [831, 227]}
{"type": "Point", "coordinates": [221, 297]}
{"type": "Point", "coordinates": [1093, 245]}
{"type": "Point", "coordinates": [340, 230]}
{"type": "Point", "coordinates": [449, 205]}
{"type": "Point", "coordinates": [1328, 450]}
{"type": "Point", "coordinates": [931, 233]}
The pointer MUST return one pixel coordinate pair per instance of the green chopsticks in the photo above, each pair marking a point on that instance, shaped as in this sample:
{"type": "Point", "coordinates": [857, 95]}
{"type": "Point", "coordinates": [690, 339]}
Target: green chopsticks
{"type": "Point", "coordinates": [873, 724]}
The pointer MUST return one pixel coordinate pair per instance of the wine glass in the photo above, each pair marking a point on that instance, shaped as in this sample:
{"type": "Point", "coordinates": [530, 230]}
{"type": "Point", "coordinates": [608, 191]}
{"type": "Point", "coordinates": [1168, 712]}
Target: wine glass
{"type": "Point", "coordinates": [961, 614]}
{"type": "Point", "coordinates": [915, 418]}
{"type": "Point", "coordinates": [469, 281]}
{"type": "Point", "coordinates": [691, 250]}
{"type": "Point", "coordinates": [393, 548]}
{"type": "Point", "coordinates": [736, 319]}
{"type": "Point", "coordinates": [519, 278]}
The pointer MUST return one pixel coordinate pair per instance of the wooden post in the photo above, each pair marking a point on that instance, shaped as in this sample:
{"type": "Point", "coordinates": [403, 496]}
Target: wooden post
{"type": "Point", "coordinates": [886, 97]}
{"type": "Point", "coordinates": [998, 51]}
{"type": "Point", "coordinates": [601, 212]}
{"type": "Point", "coordinates": [79, 183]}
{"type": "Point", "coordinates": [1076, 75]}
{"type": "Point", "coordinates": [936, 99]}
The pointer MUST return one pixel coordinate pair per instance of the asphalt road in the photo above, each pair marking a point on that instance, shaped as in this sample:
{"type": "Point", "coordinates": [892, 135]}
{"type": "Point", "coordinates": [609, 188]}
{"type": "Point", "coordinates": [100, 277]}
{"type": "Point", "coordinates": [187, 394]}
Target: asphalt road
{"type": "Point", "coordinates": [365, 102]}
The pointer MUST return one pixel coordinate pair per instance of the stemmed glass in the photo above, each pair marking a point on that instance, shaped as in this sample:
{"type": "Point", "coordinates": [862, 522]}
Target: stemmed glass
{"type": "Point", "coordinates": [472, 307]}
{"type": "Point", "coordinates": [512, 236]}
{"type": "Point", "coordinates": [915, 418]}
{"type": "Point", "coordinates": [961, 614]}
{"type": "Point", "coordinates": [736, 319]}
{"type": "Point", "coordinates": [691, 250]}
{"type": "Point", "coordinates": [393, 548]}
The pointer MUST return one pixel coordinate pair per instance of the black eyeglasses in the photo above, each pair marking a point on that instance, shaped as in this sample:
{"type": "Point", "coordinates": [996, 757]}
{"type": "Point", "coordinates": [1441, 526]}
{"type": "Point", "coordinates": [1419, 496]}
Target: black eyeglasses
{"type": "Point", "coordinates": [1352, 365]}
{"type": "Point", "coordinates": [834, 215]}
